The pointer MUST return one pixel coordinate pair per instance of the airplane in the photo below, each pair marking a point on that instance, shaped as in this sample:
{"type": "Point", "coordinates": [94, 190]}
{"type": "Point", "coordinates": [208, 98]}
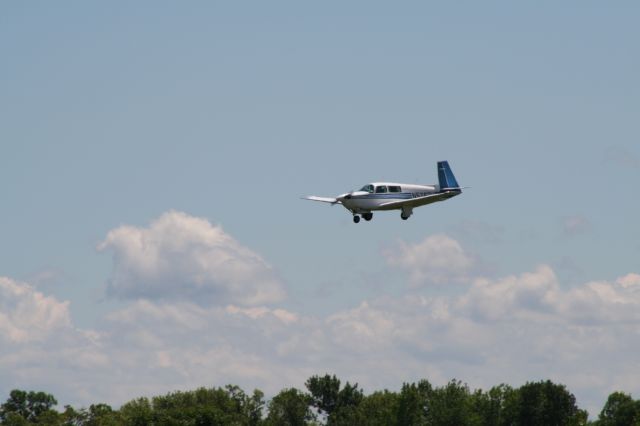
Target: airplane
{"type": "Point", "coordinates": [396, 196]}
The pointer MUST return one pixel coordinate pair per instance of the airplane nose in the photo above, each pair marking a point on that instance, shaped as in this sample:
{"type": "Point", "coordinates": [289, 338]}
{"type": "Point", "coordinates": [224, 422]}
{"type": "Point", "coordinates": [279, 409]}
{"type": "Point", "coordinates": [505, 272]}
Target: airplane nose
{"type": "Point", "coordinates": [343, 197]}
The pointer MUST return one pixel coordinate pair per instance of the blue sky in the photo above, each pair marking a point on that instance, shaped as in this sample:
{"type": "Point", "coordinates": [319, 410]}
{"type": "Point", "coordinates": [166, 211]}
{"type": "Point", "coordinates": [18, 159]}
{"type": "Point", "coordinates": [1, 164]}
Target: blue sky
{"type": "Point", "coordinates": [132, 115]}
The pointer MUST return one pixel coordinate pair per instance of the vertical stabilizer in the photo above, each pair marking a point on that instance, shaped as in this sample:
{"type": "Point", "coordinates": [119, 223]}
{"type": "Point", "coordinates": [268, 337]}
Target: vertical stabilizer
{"type": "Point", "coordinates": [445, 176]}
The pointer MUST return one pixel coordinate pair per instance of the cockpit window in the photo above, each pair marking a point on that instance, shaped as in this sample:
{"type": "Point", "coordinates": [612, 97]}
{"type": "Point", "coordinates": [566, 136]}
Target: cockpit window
{"type": "Point", "coordinates": [394, 189]}
{"type": "Point", "coordinates": [380, 189]}
{"type": "Point", "coordinates": [367, 188]}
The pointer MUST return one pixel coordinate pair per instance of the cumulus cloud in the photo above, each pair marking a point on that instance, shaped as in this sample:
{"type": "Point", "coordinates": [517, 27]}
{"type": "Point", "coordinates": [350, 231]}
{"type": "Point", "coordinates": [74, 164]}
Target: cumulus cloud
{"type": "Point", "coordinates": [28, 315]}
{"type": "Point", "coordinates": [602, 302]}
{"type": "Point", "coordinates": [178, 345]}
{"type": "Point", "coordinates": [187, 258]}
{"type": "Point", "coordinates": [630, 281]}
{"type": "Point", "coordinates": [531, 293]}
{"type": "Point", "coordinates": [511, 329]}
{"type": "Point", "coordinates": [39, 346]}
{"type": "Point", "coordinates": [437, 259]}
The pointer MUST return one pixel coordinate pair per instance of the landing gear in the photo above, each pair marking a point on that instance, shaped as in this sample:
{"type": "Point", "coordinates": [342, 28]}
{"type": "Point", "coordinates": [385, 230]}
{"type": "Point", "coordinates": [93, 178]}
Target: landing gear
{"type": "Point", "coordinates": [403, 216]}
{"type": "Point", "coordinates": [406, 214]}
{"type": "Point", "coordinates": [366, 216]}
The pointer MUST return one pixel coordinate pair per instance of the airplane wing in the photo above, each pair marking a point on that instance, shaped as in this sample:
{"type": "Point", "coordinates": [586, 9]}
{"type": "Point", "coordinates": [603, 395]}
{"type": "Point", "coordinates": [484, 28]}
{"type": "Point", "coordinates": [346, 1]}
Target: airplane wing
{"type": "Point", "coordinates": [416, 202]}
{"type": "Point", "coordinates": [322, 199]}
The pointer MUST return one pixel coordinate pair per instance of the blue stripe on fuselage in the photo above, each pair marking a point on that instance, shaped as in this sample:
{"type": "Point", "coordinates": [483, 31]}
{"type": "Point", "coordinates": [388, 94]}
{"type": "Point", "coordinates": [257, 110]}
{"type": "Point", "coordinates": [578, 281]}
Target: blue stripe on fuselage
{"type": "Point", "coordinates": [394, 195]}
{"type": "Point", "coordinates": [400, 195]}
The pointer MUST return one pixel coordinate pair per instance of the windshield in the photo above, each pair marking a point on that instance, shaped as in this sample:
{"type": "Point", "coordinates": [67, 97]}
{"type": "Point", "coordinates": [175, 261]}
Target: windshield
{"type": "Point", "coordinates": [367, 188]}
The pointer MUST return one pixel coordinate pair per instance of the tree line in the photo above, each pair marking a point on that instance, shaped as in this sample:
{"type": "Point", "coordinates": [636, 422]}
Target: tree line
{"type": "Point", "coordinates": [326, 401]}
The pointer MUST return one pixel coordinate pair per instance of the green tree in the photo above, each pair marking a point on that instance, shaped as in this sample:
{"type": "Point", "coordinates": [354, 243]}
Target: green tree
{"type": "Point", "coordinates": [489, 407]}
{"type": "Point", "coordinates": [379, 409]}
{"type": "Point", "coordinates": [137, 412]}
{"type": "Point", "coordinates": [324, 392]}
{"type": "Point", "coordinates": [412, 403]}
{"type": "Point", "coordinates": [620, 410]}
{"type": "Point", "coordinates": [215, 406]}
{"type": "Point", "coordinates": [33, 407]}
{"type": "Point", "coordinates": [452, 405]}
{"type": "Point", "coordinates": [543, 403]}
{"type": "Point", "coordinates": [290, 407]}
{"type": "Point", "coordinates": [339, 404]}
{"type": "Point", "coordinates": [71, 417]}
{"type": "Point", "coordinates": [13, 419]}
{"type": "Point", "coordinates": [102, 415]}
{"type": "Point", "coordinates": [249, 408]}
{"type": "Point", "coordinates": [200, 407]}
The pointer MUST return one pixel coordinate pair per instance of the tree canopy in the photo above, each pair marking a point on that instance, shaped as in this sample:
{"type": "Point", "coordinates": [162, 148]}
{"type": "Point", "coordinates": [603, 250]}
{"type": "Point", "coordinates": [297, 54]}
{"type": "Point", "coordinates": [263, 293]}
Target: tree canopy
{"type": "Point", "coordinates": [329, 401]}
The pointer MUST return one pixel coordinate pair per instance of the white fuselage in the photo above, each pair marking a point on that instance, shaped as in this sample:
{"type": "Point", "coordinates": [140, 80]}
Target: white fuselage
{"type": "Point", "coordinates": [381, 193]}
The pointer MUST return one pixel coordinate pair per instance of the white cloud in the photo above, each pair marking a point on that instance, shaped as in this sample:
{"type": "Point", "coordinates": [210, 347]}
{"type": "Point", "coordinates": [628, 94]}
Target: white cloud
{"type": "Point", "coordinates": [513, 329]}
{"type": "Point", "coordinates": [437, 259]}
{"type": "Point", "coordinates": [630, 281]}
{"type": "Point", "coordinates": [531, 293]}
{"type": "Point", "coordinates": [182, 345]}
{"type": "Point", "coordinates": [28, 315]}
{"type": "Point", "coordinates": [187, 258]}
{"type": "Point", "coordinates": [604, 302]}
{"type": "Point", "coordinates": [364, 327]}
{"type": "Point", "coordinates": [39, 346]}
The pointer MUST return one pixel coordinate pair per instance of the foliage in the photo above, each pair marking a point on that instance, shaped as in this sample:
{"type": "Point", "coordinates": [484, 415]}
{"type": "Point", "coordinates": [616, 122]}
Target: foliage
{"type": "Point", "coordinates": [378, 409]}
{"type": "Point", "coordinates": [544, 403]}
{"type": "Point", "coordinates": [339, 404]}
{"type": "Point", "coordinates": [327, 401]}
{"type": "Point", "coordinates": [412, 404]}
{"type": "Point", "coordinates": [31, 407]}
{"type": "Point", "coordinates": [620, 410]}
{"type": "Point", "coordinates": [290, 408]}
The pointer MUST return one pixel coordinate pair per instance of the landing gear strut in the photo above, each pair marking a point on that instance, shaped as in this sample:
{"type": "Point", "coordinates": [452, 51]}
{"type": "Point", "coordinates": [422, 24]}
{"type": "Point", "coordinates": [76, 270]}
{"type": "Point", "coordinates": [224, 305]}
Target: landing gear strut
{"type": "Point", "coordinates": [356, 218]}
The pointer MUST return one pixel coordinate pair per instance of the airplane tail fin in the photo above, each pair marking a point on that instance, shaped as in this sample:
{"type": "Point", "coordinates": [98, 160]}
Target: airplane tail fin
{"type": "Point", "coordinates": [445, 176]}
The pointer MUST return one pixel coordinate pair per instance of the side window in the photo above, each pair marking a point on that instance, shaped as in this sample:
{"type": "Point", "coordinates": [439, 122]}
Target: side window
{"type": "Point", "coordinates": [367, 188]}
{"type": "Point", "coordinates": [380, 189]}
{"type": "Point", "coordinates": [394, 189]}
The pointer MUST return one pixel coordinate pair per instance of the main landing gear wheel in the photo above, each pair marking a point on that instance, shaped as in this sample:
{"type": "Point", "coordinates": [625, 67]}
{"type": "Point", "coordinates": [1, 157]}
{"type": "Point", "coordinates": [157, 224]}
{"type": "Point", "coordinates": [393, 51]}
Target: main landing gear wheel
{"type": "Point", "coordinates": [367, 216]}
{"type": "Point", "coordinates": [403, 216]}
{"type": "Point", "coordinates": [356, 219]}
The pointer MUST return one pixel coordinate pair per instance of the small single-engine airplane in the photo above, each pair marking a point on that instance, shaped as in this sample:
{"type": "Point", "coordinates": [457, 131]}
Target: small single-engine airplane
{"type": "Point", "coordinates": [396, 196]}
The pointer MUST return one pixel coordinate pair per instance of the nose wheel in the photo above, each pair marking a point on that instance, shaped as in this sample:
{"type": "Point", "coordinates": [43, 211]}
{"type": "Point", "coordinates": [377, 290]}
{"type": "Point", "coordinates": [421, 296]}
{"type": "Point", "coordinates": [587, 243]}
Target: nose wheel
{"type": "Point", "coordinates": [356, 218]}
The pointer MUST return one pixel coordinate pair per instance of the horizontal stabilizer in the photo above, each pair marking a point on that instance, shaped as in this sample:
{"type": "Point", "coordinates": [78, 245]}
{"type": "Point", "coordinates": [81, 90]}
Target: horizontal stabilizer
{"type": "Point", "coordinates": [322, 199]}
